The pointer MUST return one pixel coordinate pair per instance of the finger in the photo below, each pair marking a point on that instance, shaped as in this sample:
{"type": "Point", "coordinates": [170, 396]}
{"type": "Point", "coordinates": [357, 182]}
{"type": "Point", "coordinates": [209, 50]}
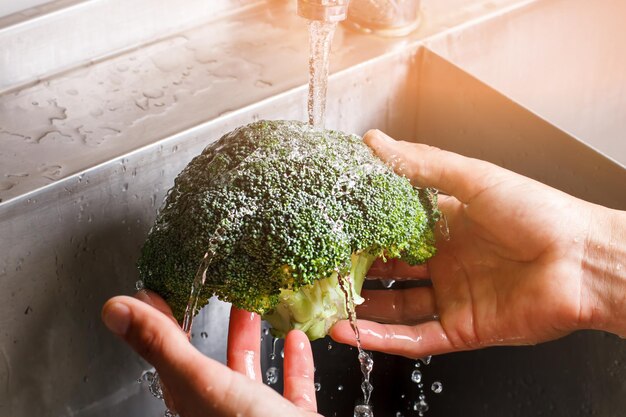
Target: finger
{"type": "Point", "coordinates": [397, 269]}
{"type": "Point", "coordinates": [299, 371]}
{"type": "Point", "coordinates": [153, 299]}
{"type": "Point", "coordinates": [408, 306]}
{"type": "Point", "coordinates": [427, 166]}
{"type": "Point", "coordinates": [146, 329]}
{"type": "Point", "coordinates": [244, 343]}
{"type": "Point", "coordinates": [205, 386]}
{"type": "Point", "coordinates": [411, 341]}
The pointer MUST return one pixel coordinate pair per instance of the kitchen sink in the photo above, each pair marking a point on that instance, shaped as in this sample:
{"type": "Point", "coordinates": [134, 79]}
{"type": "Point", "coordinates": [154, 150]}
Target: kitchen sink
{"type": "Point", "coordinates": [84, 171]}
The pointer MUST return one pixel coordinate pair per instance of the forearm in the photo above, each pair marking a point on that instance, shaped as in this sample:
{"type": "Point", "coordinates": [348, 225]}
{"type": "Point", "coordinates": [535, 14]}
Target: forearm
{"type": "Point", "coordinates": [604, 272]}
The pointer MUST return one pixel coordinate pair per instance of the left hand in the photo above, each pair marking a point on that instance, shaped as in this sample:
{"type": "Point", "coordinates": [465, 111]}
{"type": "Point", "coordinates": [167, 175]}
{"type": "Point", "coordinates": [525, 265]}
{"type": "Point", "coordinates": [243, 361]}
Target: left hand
{"type": "Point", "coordinates": [196, 385]}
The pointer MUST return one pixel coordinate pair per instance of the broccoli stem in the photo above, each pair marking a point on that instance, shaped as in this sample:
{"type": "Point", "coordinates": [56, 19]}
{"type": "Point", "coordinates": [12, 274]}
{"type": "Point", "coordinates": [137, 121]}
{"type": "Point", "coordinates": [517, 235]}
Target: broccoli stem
{"type": "Point", "coordinates": [315, 308]}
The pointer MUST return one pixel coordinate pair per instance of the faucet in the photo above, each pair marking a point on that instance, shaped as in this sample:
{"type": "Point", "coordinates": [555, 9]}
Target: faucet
{"type": "Point", "coordinates": [323, 10]}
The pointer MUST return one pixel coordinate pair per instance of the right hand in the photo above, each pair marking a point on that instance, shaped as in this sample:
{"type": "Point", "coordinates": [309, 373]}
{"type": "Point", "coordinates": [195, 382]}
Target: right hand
{"type": "Point", "coordinates": [524, 263]}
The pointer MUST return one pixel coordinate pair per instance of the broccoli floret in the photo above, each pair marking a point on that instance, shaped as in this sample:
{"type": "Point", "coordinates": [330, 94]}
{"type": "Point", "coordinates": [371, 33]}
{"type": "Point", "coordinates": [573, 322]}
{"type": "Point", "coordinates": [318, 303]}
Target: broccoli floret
{"type": "Point", "coordinates": [284, 210]}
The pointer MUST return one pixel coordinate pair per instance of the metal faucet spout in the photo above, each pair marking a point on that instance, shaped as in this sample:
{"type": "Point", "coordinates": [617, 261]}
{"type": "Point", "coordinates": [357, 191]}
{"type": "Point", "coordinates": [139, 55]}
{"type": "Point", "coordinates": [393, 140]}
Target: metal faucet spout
{"type": "Point", "coordinates": [323, 10]}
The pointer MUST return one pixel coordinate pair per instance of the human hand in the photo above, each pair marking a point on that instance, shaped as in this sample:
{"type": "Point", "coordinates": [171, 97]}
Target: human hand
{"type": "Point", "coordinates": [199, 386]}
{"type": "Point", "coordinates": [524, 263]}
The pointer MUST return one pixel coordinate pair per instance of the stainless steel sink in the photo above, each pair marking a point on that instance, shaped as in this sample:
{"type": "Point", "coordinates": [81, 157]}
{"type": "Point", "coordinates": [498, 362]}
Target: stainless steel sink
{"type": "Point", "coordinates": [79, 200]}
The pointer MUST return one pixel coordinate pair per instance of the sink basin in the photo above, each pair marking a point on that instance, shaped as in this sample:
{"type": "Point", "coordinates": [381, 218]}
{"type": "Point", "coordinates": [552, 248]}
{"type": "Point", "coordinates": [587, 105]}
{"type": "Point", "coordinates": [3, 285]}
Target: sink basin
{"type": "Point", "coordinates": [71, 237]}
{"type": "Point", "coordinates": [563, 60]}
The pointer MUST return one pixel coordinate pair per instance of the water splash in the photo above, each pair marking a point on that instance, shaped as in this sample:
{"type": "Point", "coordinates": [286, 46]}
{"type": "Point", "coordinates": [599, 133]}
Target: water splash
{"type": "Point", "coordinates": [416, 376]}
{"type": "Point", "coordinates": [273, 354]}
{"type": "Point", "coordinates": [365, 360]}
{"type": "Point", "coordinates": [420, 406]}
{"type": "Point", "coordinates": [363, 410]}
{"type": "Point", "coordinates": [271, 375]}
{"type": "Point", "coordinates": [426, 359]}
{"type": "Point", "coordinates": [320, 40]}
{"type": "Point", "coordinates": [437, 387]}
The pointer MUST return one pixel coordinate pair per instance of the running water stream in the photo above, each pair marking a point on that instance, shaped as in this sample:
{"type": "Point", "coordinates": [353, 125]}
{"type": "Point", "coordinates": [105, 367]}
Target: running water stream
{"type": "Point", "coordinates": [320, 39]}
{"type": "Point", "coordinates": [365, 360]}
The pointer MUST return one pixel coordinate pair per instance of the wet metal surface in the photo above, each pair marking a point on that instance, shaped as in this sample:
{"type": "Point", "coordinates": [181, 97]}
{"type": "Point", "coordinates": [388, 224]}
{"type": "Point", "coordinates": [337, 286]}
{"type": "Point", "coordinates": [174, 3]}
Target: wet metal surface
{"type": "Point", "coordinates": [87, 157]}
{"type": "Point", "coordinates": [90, 115]}
{"type": "Point", "coordinates": [564, 60]}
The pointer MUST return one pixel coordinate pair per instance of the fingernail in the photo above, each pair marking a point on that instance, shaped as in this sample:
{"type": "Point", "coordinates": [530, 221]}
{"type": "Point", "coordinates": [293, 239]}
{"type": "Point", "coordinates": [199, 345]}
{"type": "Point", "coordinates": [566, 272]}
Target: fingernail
{"type": "Point", "coordinates": [116, 317]}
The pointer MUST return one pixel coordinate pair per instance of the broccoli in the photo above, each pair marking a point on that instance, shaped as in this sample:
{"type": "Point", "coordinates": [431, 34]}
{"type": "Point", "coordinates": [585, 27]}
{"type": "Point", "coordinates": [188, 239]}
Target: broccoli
{"type": "Point", "coordinates": [285, 211]}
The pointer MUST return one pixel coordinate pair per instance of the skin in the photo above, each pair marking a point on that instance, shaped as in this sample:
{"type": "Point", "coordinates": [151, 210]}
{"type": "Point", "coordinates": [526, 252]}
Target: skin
{"type": "Point", "coordinates": [196, 385]}
{"type": "Point", "coordinates": [521, 263]}
{"type": "Point", "coordinates": [524, 263]}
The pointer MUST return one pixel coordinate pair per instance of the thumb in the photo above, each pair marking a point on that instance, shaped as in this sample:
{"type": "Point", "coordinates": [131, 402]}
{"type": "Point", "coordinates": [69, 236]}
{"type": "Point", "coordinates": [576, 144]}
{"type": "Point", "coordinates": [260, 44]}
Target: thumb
{"type": "Point", "coordinates": [152, 334]}
{"type": "Point", "coordinates": [199, 385]}
{"type": "Point", "coordinates": [427, 166]}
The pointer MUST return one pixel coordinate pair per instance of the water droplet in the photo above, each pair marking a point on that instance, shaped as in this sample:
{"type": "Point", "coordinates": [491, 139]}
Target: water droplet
{"type": "Point", "coordinates": [271, 375]}
{"type": "Point", "coordinates": [168, 413]}
{"type": "Point", "coordinates": [420, 406]}
{"type": "Point", "coordinates": [153, 93]}
{"type": "Point", "coordinates": [416, 376]}
{"type": "Point", "coordinates": [6, 185]}
{"type": "Point", "coordinates": [142, 103]}
{"type": "Point", "coordinates": [330, 346]}
{"type": "Point", "coordinates": [273, 354]}
{"type": "Point", "coordinates": [204, 335]}
{"type": "Point", "coordinates": [266, 331]}
{"type": "Point", "coordinates": [426, 359]}
{"type": "Point", "coordinates": [262, 83]}
{"type": "Point", "coordinates": [437, 387]}
{"type": "Point", "coordinates": [387, 283]}
{"type": "Point", "coordinates": [139, 285]}
{"type": "Point", "coordinates": [154, 384]}
{"type": "Point", "coordinates": [399, 414]}
{"type": "Point", "coordinates": [282, 353]}
{"type": "Point", "coordinates": [318, 386]}
{"type": "Point", "coordinates": [363, 410]}
{"type": "Point", "coordinates": [339, 387]}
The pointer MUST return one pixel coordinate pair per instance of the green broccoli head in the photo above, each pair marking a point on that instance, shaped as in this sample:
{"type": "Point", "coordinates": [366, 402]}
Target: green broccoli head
{"type": "Point", "coordinates": [284, 209]}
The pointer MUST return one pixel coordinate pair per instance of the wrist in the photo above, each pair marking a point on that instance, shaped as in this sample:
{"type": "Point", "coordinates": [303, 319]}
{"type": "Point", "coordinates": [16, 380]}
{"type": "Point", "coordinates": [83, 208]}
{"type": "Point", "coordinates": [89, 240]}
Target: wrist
{"type": "Point", "coordinates": [603, 295]}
